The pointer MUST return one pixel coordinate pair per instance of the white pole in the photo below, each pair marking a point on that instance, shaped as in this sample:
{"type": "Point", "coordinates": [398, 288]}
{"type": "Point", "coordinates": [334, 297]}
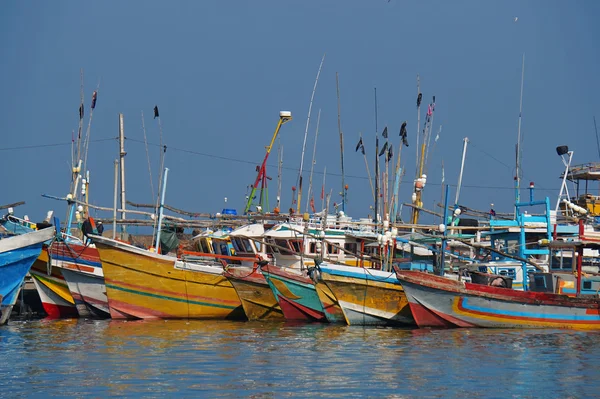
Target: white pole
{"type": "Point", "coordinates": [161, 209]}
{"type": "Point", "coordinates": [122, 154]}
{"type": "Point", "coordinates": [462, 167]}
{"type": "Point", "coordinates": [114, 232]}
{"type": "Point", "coordinates": [518, 165]}
{"type": "Point", "coordinates": [312, 96]}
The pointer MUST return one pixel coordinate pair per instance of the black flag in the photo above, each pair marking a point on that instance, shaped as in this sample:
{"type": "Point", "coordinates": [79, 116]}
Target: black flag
{"type": "Point", "coordinates": [156, 112]}
{"type": "Point", "coordinates": [385, 146]}
{"type": "Point", "coordinates": [360, 146]}
{"type": "Point", "coordinates": [403, 134]}
{"type": "Point", "coordinates": [390, 153]}
{"type": "Point", "coordinates": [384, 134]}
{"type": "Point", "coordinates": [94, 98]}
{"type": "Point", "coordinates": [81, 111]}
{"type": "Point", "coordinates": [419, 97]}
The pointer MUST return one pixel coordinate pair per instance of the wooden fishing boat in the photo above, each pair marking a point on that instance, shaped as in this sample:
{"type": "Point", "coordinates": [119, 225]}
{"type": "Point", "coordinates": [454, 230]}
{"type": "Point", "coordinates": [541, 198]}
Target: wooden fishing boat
{"type": "Point", "coordinates": [254, 292]}
{"type": "Point", "coordinates": [295, 291]}
{"type": "Point", "coordinates": [367, 296]}
{"type": "Point", "coordinates": [437, 301]}
{"type": "Point", "coordinates": [52, 288]}
{"type": "Point", "coordinates": [17, 254]}
{"type": "Point", "coordinates": [257, 298]}
{"type": "Point", "coordinates": [141, 284]}
{"type": "Point", "coordinates": [82, 270]}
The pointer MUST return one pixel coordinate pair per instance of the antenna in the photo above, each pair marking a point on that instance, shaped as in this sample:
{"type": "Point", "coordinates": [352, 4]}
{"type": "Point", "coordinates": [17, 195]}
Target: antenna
{"type": "Point", "coordinates": [518, 161]}
{"type": "Point", "coordinates": [312, 96]}
{"type": "Point", "coordinates": [597, 139]}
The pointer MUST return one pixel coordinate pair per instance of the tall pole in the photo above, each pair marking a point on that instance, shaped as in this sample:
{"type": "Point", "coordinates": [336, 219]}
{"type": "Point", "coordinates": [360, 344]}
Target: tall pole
{"type": "Point", "coordinates": [312, 166]}
{"type": "Point", "coordinates": [116, 192]}
{"type": "Point", "coordinates": [418, 117]}
{"type": "Point", "coordinates": [122, 154]}
{"type": "Point", "coordinates": [462, 167]}
{"type": "Point", "coordinates": [279, 173]}
{"type": "Point", "coordinates": [337, 84]}
{"type": "Point", "coordinates": [518, 161]}
{"type": "Point", "coordinates": [376, 219]}
{"type": "Point", "coordinates": [312, 96]}
{"type": "Point", "coordinates": [160, 210]}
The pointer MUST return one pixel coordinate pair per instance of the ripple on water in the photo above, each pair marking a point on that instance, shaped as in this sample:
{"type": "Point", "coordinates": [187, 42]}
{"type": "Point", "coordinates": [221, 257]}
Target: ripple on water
{"type": "Point", "coordinates": [82, 358]}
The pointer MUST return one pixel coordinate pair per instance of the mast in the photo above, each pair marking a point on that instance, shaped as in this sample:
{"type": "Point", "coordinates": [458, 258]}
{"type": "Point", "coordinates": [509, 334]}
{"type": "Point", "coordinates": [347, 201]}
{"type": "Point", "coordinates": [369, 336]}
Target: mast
{"type": "Point", "coordinates": [312, 96]}
{"type": "Point", "coordinates": [376, 218]}
{"type": "Point", "coordinates": [419, 96]}
{"type": "Point", "coordinates": [597, 139]}
{"type": "Point", "coordinates": [162, 150]}
{"type": "Point", "coordinates": [161, 210]}
{"type": "Point", "coordinates": [337, 84]}
{"type": "Point", "coordinates": [518, 171]}
{"type": "Point", "coordinates": [323, 190]}
{"type": "Point", "coordinates": [279, 172]}
{"type": "Point", "coordinates": [462, 168]}
{"type": "Point", "coordinates": [122, 154]}
{"type": "Point", "coordinates": [312, 166]}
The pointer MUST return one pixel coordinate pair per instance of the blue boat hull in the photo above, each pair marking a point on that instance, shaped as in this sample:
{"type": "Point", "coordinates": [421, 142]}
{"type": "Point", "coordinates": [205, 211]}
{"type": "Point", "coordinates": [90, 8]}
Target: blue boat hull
{"type": "Point", "coordinates": [14, 265]}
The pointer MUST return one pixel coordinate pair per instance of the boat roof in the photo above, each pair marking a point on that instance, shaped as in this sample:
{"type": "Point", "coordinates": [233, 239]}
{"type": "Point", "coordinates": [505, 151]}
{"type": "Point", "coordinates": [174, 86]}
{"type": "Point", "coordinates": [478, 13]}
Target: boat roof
{"type": "Point", "coordinates": [250, 230]}
{"type": "Point", "coordinates": [587, 171]}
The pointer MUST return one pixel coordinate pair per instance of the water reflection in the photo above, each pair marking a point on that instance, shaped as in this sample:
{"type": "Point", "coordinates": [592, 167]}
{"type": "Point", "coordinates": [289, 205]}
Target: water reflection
{"type": "Point", "coordinates": [260, 359]}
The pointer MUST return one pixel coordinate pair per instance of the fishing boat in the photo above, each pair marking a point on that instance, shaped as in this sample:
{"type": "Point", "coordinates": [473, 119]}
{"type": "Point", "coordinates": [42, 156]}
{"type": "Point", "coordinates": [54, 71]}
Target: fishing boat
{"type": "Point", "coordinates": [295, 291]}
{"type": "Point", "coordinates": [17, 254]}
{"type": "Point", "coordinates": [297, 244]}
{"type": "Point", "coordinates": [257, 298]}
{"type": "Point", "coordinates": [142, 284]}
{"type": "Point", "coordinates": [49, 282]}
{"type": "Point", "coordinates": [437, 301]}
{"type": "Point", "coordinates": [52, 288]}
{"type": "Point", "coordinates": [367, 296]}
{"type": "Point", "coordinates": [81, 268]}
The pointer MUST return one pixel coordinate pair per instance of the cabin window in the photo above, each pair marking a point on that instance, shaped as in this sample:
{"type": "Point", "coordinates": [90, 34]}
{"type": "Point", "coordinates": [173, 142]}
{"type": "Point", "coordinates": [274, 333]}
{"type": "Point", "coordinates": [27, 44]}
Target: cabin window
{"type": "Point", "coordinates": [312, 248]}
{"type": "Point", "coordinates": [296, 246]}
{"type": "Point", "coordinates": [331, 249]}
{"type": "Point", "coordinates": [246, 246]}
{"type": "Point", "coordinates": [236, 245]}
{"type": "Point", "coordinates": [203, 245]}
{"type": "Point", "coordinates": [351, 247]}
{"type": "Point", "coordinates": [224, 249]}
{"type": "Point", "coordinates": [282, 246]}
{"type": "Point", "coordinates": [587, 285]}
{"type": "Point", "coordinates": [508, 272]}
{"type": "Point", "coordinates": [540, 281]}
{"type": "Point", "coordinates": [258, 245]}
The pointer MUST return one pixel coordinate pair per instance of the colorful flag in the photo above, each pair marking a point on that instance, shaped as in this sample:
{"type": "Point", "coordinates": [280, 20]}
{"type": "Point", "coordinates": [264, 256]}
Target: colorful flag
{"type": "Point", "coordinates": [385, 133]}
{"type": "Point", "coordinates": [156, 112]}
{"type": "Point", "coordinates": [390, 153]}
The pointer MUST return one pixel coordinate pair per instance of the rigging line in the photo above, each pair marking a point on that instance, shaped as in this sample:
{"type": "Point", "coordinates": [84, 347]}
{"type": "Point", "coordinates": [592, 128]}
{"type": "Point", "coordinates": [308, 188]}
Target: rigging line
{"type": "Point", "coordinates": [489, 155]}
{"type": "Point", "coordinates": [26, 147]}
{"type": "Point", "coordinates": [329, 173]}
{"type": "Point", "coordinates": [147, 155]}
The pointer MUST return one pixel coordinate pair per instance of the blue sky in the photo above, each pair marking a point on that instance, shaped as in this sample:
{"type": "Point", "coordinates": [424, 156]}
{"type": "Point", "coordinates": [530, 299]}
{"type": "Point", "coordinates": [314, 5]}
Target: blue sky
{"type": "Point", "coordinates": [221, 71]}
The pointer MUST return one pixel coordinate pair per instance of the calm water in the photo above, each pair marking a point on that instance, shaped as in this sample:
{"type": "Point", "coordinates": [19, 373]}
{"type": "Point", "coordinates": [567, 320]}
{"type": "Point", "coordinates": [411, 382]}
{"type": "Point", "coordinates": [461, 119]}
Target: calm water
{"type": "Point", "coordinates": [79, 358]}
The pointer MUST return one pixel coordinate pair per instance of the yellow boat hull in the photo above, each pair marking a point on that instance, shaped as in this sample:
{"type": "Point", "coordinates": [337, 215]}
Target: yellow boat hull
{"type": "Point", "coordinates": [367, 298]}
{"type": "Point", "coordinates": [254, 292]}
{"type": "Point", "coordinates": [144, 285]}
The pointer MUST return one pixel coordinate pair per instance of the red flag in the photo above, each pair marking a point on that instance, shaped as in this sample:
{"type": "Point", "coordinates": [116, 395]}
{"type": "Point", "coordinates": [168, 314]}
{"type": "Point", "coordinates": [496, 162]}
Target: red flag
{"type": "Point", "coordinates": [322, 192]}
{"type": "Point", "coordinates": [312, 204]}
